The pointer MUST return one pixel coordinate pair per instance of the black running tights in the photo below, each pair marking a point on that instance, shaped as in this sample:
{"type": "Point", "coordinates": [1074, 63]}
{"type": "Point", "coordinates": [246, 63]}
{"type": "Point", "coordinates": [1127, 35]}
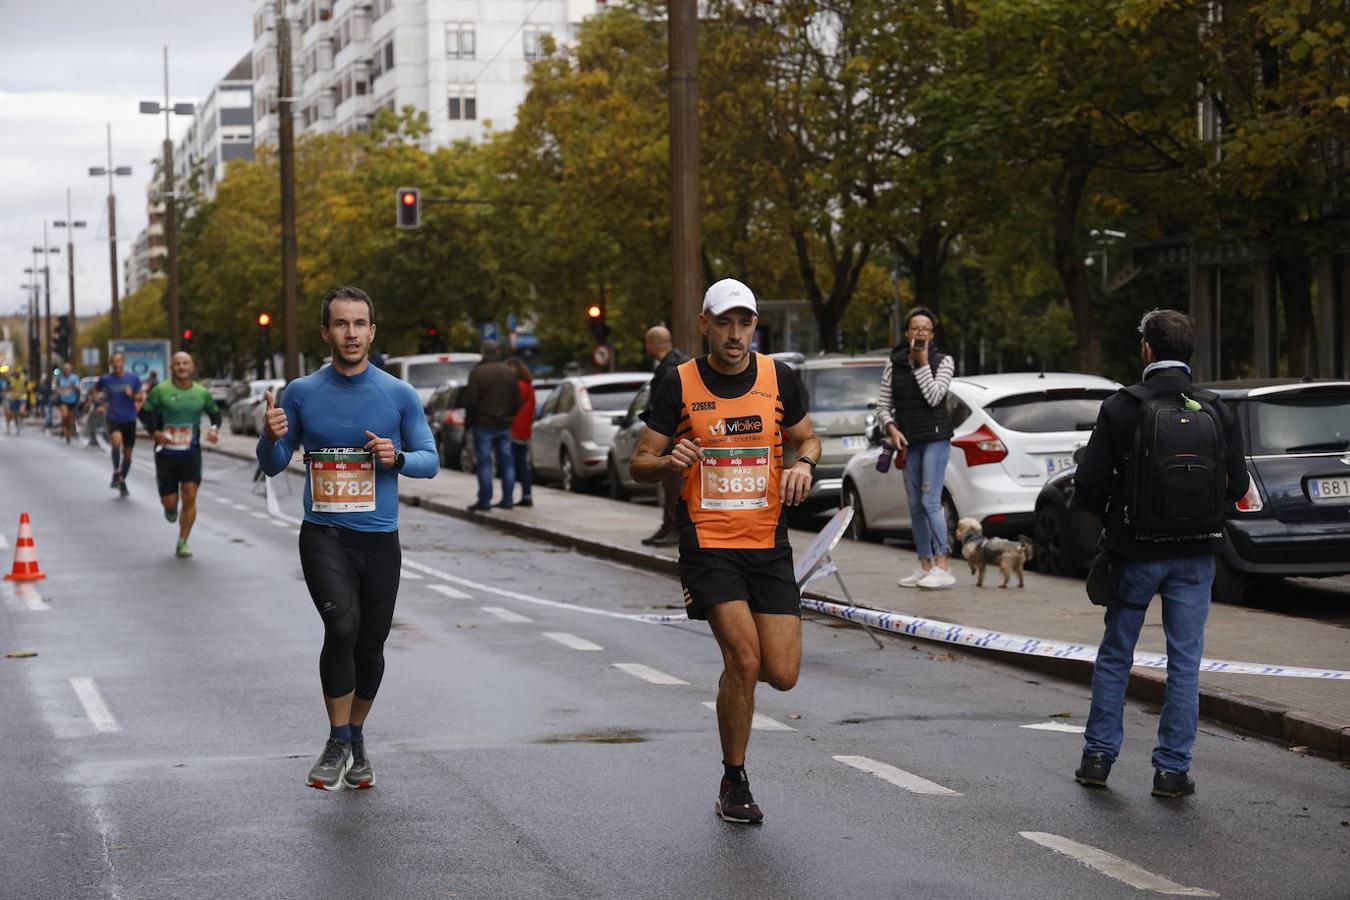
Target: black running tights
{"type": "Point", "coordinates": [353, 579]}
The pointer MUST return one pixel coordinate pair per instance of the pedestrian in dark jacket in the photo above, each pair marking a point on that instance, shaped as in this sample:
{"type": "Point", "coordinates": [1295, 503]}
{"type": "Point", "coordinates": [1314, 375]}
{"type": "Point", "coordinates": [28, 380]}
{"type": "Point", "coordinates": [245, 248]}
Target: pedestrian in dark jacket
{"type": "Point", "coordinates": [1174, 560]}
{"type": "Point", "coordinates": [491, 399]}
{"type": "Point", "coordinates": [668, 358]}
{"type": "Point", "coordinates": [912, 409]}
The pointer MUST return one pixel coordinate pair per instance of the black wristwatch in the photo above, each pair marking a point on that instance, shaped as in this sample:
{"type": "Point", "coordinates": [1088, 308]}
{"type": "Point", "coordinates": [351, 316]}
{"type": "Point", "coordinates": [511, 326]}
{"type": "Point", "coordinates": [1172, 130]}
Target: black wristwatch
{"type": "Point", "coordinates": [398, 460]}
{"type": "Point", "coordinates": [809, 461]}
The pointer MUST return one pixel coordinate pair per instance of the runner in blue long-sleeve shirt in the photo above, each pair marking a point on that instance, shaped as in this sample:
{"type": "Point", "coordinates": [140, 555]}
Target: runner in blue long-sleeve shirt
{"type": "Point", "coordinates": [360, 428]}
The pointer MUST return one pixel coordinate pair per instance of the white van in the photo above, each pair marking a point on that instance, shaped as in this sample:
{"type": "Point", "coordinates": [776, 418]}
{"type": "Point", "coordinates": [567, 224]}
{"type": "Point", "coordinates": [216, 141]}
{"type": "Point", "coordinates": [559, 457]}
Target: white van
{"type": "Point", "coordinates": [428, 371]}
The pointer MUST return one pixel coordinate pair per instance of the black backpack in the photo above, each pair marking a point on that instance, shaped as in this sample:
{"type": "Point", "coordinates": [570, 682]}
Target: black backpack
{"type": "Point", "coordinates": [1177, 470]}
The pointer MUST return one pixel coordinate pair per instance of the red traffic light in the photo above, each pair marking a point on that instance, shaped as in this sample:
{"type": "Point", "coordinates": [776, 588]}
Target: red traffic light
{"type": "Point", "coordinates": [432, 331]}
{"type": "Point", "coordinates": [264, 319]}
{"type": "Point", "coordinates": [595, 311]}
{"type": "Point", "coordinates": [407, 198]}
{"type": "Point", "coordinates": [187, 334]}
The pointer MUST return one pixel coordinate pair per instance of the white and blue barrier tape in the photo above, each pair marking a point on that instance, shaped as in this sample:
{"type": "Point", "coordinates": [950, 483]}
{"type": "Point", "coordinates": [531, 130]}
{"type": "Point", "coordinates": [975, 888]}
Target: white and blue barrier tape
{"type": "Point", "coordinates": [964, 636]}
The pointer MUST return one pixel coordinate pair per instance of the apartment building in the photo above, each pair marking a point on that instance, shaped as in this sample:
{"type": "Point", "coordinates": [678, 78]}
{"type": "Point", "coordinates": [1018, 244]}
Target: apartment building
{"type": "Point", "coordinates": [463, 62]}
{"type": "Point", "coordinates": [221, 129]}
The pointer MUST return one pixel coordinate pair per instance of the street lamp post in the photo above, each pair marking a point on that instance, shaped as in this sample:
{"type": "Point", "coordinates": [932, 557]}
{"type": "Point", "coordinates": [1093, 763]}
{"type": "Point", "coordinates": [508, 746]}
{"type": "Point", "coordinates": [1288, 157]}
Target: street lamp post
{"type": "Point", "coordinates": [31, 337]}
{"type": "Point", "coordinates": [110, 171]}
{"type": "Point", "coordinates": [70, 225]}
{"type": "Point", "coordinates": [168, 110]}
{"type": "Point", "coordinates": [46, 340]}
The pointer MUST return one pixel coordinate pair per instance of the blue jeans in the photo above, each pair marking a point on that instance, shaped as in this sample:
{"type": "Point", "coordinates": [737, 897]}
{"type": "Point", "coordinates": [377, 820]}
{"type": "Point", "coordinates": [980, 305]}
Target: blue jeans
{"type": "Point", "coordinates": [487, 445]}
{"type": "Point", "coordinates": [520, 452]}
{"type": "Point", "coordinates": [924, 473]}
{"type": "Point", "coordinates": [1184, 585]}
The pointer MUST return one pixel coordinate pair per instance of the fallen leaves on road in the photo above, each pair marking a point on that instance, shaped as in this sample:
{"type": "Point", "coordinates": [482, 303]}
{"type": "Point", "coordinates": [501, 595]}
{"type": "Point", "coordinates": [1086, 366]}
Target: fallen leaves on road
{"type": "Point", "coordinates": [20, 654]}
{"type": "Point", "coordinates": [795, 716]}
{"type": "Point", "coordinates": [1061, 715]}
{"type": "Point", "coordinates": [1298, 748]}
{"type": "Point", "coordinates": [942, 657]}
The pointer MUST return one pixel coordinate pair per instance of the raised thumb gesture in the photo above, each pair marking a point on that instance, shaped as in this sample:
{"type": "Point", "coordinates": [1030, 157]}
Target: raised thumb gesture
{"type": "Point", "coordinates": [274, 419]}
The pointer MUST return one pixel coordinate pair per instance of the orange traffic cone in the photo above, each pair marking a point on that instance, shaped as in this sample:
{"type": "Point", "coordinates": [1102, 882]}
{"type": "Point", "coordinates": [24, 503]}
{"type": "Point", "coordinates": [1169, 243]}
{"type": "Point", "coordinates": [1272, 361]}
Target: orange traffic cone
{"type": "Point", "coordinates": [25, 554]}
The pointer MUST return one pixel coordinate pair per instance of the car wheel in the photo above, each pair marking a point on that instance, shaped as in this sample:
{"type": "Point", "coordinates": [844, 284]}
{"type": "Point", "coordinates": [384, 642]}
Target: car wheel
{"type": "Point", "coordinates": [1052, 552]}
{"type": "Point", "coordinates": [568, 474]}
{"type": "Point", "coordinates": [857, 528]}
{"type": "Point", "coordinates": [616, 488]}
{"type": "Point", "coordinates": [1230, 586]}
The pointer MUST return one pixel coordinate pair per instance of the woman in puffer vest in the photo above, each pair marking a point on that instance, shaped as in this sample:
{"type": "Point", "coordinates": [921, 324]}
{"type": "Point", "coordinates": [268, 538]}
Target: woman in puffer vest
{"type": "Point", "coordinates": [912, 408]}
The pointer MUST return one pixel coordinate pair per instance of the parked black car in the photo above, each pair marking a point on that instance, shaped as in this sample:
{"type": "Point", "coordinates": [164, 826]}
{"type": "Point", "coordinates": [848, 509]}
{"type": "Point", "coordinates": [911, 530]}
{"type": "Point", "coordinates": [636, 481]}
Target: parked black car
{"type": "Point", "coordinates": [1294, 520]}
{"type": "Point", "coordinates": [445, 417]}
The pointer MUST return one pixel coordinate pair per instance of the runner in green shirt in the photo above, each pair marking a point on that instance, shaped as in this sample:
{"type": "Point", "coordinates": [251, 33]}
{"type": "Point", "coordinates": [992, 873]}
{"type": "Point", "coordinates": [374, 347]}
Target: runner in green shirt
{"type": "Point", "coordinates": [173, 414]}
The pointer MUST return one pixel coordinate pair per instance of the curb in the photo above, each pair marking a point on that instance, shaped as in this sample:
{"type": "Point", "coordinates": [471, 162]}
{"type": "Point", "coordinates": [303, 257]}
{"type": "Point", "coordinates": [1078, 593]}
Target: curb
{"type": "Point", "coordinates": [1244, 714]}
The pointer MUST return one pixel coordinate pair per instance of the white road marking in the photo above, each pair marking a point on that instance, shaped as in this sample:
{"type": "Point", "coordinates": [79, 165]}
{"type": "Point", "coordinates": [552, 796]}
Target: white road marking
{"type": "Point", "coordinates": [99, 715]}
{"type": "Point", "coordinates": [647, 673]}
{"type": "Point", "coordinates": [506, 615]}
{"type": "Point", "coordinates": [221, 500]}
{"type": "Point", "coordinates": [759, 722]}
{"type": "Point", "coordinates": [658, 619]}
{"type": "Point", "coordinates": [259, 515]}
{"type": "Point", "coordinates": [239, 506]}
{"type": "Point", "coordinates": [571, 640]}
{"type": "Point", "coordinates": [280, 524]}
{"type": "Point", "coordinates": [1055, 726]}
{"type": "Point", "coordinates": [1113, 866]}
{"type": "Point", "coordinates": [4, 544]}
{"type": "Point", "coordinates": [31, 597]}
{"type": "Point", "coordinates": [406, 573]}
{"type": "Point", "coordinates": [447, 590]}
{"type": "Point", "coordinates": [898, 777]}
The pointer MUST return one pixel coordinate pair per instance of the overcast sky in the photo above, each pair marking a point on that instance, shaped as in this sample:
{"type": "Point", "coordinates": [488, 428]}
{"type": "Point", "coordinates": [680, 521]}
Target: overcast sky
{"type": "Point", "coordinates": [74, 66]}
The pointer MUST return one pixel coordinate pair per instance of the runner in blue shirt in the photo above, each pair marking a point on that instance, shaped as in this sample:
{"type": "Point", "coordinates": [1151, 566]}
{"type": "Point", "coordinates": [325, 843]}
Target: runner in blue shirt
{"type": "Point", "coordinates": [122, 392]}
{"type": "Point", "coordinates": [68, 395]}
{"type": "Point", "coordinates": [360, 428]}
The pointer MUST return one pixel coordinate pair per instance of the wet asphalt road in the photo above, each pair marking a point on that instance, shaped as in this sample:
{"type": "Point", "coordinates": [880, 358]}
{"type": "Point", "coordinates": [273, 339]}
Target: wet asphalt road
{"type": "Point", "coordinates": [510, 764]}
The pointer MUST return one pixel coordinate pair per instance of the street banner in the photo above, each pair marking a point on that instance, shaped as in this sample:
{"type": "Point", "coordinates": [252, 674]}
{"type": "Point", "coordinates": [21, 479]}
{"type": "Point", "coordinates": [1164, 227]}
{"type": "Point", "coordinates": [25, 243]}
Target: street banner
{"type": "Point", "coordinates": [143, 357]}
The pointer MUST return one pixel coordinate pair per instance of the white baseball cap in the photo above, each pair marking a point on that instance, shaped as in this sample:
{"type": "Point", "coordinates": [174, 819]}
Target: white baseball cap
{"type": "Point", "coordinates": [726, 295]}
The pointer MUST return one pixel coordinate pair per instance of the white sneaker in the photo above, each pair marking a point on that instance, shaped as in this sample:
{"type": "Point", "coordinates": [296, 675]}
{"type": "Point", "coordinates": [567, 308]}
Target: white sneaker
{"type": "Point", "coordinates": [936, 579]}
{"type": "Point", "coordinates": [913, 578]}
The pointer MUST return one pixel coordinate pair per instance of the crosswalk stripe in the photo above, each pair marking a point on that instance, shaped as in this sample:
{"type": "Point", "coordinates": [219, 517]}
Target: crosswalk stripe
{"type": "Point", "coordinates": [759, 723]}
{"type": "Point", "coordinates": [1113, 866]}
{"type": "Point", "coordinates": [898, 777]}
{"type": "Point", "coordinates": [571, 640]}
{"type": "Point", "coordinates": [647, 673]}
{"type": "Point", "coordinates": [505, 615]}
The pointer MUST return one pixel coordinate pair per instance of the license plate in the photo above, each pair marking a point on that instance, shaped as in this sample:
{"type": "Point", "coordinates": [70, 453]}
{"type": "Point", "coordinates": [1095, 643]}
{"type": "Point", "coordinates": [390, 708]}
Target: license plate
{"type": "Point", "coordinates": [854, 442]}
{"type": "Point", "coordinates": [1329, 489]}
{"type": "Point", "coordinates": [1056, 464]}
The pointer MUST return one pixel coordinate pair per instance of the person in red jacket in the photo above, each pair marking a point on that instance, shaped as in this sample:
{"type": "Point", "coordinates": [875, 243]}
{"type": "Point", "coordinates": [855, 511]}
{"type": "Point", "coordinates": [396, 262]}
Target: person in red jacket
{"type": "Point", "coordinates": [521, 427]}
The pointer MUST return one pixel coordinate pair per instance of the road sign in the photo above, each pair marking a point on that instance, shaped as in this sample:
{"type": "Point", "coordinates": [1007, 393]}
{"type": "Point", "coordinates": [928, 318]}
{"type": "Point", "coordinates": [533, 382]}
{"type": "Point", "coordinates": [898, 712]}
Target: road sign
{"type": "Point", "coordinates": [143, 357]}
{"type": "Point", "coordinates": [89, 356]}
{"type": "Point", "coordinates": [511, 322]}
{"type": "Point", "coordinates": [602, 355]}
{"type": "Point", "coordinates": [489, 331]}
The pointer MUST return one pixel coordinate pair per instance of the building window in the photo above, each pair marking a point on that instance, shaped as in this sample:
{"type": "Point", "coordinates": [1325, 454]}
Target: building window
{"type": "Point", "coordinates": [459, 40]}
{"type": "Point", "coordinates": [259, 24]}
{"type": "Point", "coordinates": [534, 43]}
{"type": "Point", "coordinates": [382, 7]}
{"type": "Point", "coordinates": [389, 54]}
{"type": "Point", "coordinates": [463, 102]}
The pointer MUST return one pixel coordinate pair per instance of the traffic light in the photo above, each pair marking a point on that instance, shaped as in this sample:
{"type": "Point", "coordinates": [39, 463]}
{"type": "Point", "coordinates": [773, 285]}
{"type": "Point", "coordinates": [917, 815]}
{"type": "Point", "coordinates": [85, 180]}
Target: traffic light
{"type": "Point", "coordinates": [264, 343]}
{"type": "Point", "coordinates": [431, 341]}
{"type": "Point", "coordinates": [186, 343]}
{"type": "Point", "coordinates": [409, 211]}
{"type": "Point", "coordinates": [61, 343]}
{"type": "Point", "coordinates": [595, 317]}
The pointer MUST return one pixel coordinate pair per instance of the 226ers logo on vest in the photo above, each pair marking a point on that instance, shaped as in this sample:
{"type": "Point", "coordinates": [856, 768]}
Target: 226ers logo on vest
{"type": "Point", "coordinates": [732, 496]}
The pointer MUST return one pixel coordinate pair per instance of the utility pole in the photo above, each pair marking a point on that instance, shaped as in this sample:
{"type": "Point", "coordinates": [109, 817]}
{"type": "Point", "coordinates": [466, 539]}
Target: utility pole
{"type": "Point", "coordinates": [46, 337]}
{"type": "Point", "coordinates": [110, 171]}
{"type": "Point", "coordinates": [170, 195]}
{"type": "Point", "coordinates": [70, 225]}
{"type": "Point", "coordinates": [286, 149]}
{"type": "Point", "coordinates": [686, 258]}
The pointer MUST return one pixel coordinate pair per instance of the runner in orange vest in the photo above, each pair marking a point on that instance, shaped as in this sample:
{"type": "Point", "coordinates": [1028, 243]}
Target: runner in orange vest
{"type": "Point", "coordinates": [728, 414]}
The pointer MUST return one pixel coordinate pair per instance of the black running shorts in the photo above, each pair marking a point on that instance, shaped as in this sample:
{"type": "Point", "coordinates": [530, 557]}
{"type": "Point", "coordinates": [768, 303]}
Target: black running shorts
{"type": "Point", "coordinates": [173, 469]}
{"type": "Point", "coordinates": [763, 578]}
{"type": "Point", "coordinates": [127, 429]}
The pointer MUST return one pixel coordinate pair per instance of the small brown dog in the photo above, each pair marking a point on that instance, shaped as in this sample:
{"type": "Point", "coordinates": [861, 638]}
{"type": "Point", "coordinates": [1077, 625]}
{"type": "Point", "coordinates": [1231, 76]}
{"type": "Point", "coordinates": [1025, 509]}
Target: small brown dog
{"type": "Point", "coordinates": [980, 551]}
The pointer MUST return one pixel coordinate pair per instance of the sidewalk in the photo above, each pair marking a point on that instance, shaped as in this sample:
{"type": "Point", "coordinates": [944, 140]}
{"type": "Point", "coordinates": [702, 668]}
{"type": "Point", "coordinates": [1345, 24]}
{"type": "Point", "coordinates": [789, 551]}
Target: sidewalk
{"type": "Point", "coordinates": [1300, 711]}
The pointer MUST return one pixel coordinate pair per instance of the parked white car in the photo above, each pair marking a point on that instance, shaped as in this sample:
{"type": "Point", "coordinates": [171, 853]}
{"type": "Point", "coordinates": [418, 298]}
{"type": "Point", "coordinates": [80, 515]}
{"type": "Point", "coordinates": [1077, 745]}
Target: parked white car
{"type": "Point", "coordinates": [241, 411]}
{"type": "Point", "coordinates": [1012, 433]}
{"type": "Point", "coordinates": [428, 371]}
{"type": "Point", "coordinates": [576, 425]}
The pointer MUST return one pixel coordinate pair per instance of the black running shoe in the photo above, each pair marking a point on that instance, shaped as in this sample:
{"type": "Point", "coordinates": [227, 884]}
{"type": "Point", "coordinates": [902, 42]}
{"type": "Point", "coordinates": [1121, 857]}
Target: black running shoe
{"type": "Point", "coordinates": [122, 486]}
{"type": "Point", "coordinates": [1093, 770]}
{"type": "Point", "coordinates": [1172, 784]}
{"type": "Point", "coordinates": [360, 775]}
{"type": "Point", "coordinates": [113, 483]}
{"type": "Point", "coordinates": [734, 803]}
{"type": "Point", "coordinates": [333, 764]}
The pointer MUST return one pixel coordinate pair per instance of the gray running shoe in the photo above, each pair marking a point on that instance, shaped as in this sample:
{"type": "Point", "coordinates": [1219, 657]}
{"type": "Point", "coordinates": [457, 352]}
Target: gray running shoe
{"type": "Point", "coordinates": [360, 775]}
{"type": "Point", "coordinates": [333, 764]}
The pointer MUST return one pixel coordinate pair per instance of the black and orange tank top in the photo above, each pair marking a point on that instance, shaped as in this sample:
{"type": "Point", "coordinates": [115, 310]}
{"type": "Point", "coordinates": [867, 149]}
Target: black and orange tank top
{"type": "Point", "coordinates": [732, 497]}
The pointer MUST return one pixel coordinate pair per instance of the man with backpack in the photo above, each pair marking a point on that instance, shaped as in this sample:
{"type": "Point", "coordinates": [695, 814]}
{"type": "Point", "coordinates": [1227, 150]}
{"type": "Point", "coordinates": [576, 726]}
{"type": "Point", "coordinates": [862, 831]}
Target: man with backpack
{"type": "Point", "coordinates": [1163, 466]}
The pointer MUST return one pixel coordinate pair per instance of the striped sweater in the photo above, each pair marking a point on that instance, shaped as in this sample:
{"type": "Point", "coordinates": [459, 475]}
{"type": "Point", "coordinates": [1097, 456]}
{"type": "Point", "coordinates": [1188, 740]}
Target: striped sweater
{"type": "Point", "coordinates": [933, 388]}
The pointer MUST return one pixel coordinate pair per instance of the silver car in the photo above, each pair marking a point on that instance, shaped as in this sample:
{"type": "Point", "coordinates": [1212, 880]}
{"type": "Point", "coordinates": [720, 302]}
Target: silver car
{"type": "Point", "coordinates": [841, 399]}
{"type": "Point", "coordinates": [241, 410]}
{"type": "Point", "coordinates": [621, 483]}
{"type": "Point", "coordinates": [572, 436]}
